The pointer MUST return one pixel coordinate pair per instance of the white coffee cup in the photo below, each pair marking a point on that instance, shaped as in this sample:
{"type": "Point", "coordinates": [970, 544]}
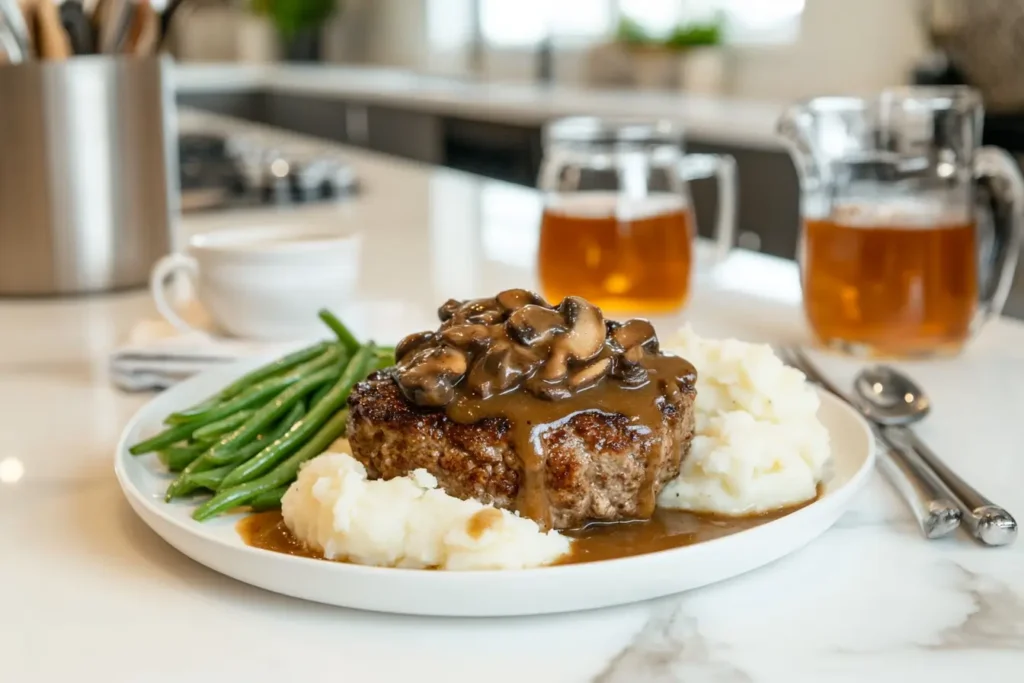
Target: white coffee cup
{"type": "Point", "coordinates": [264, 283]}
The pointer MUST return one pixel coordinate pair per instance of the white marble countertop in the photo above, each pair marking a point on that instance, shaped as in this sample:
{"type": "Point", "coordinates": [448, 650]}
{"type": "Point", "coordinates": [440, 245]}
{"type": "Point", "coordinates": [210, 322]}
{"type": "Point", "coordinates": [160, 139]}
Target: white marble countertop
{"type": "Point", "coordinates": [730, 120]}
{"type": "Point", "coordinates": [88, 592]}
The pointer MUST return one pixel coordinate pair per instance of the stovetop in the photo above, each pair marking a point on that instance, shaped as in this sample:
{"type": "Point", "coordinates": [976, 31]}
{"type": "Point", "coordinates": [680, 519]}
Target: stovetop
{"type": "Point", "coordinates": [219, 171]}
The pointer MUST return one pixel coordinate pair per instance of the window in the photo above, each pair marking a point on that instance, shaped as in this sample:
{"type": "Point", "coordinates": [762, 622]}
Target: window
{"type": "Point", "coordinates": [524, 23]}
{"type": "Point", "coordinates": [449, 23]}
{"type": "Point", "coordinates": [507, 23]}
{"type": "Point", "coordinates": [747, 21]}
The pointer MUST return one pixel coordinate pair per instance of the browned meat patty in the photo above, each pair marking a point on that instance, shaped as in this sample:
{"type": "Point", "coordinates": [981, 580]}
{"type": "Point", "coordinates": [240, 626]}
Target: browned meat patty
{"type": "Point", "coordinates": [595, 463]}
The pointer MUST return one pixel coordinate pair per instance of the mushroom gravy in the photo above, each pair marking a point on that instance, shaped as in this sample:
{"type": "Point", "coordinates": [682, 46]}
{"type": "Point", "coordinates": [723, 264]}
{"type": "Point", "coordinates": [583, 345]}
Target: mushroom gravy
{"type": "Point", "coordinates": [517, 358]}
{"type": "Point", "coordinates": [667, 529]}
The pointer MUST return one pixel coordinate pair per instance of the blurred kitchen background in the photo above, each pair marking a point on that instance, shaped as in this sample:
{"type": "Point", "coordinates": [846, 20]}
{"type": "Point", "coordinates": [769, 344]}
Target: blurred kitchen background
{"type": "Point", "coordinates": [468, 83]}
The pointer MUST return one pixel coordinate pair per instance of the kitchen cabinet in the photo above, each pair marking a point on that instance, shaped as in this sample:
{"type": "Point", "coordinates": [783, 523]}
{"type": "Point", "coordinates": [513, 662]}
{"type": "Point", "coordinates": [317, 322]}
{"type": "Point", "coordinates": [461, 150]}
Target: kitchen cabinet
{"type": "Point", "coordinates": [409, 134]}
{"type": "Point", "coordinates": [768, 216]}
{"type": "Point", "coordinates": [250, 106]}
{"type": "Point", "coordinates": [495, 150]}
{"type": "Point", "coordinates": [319, 117]}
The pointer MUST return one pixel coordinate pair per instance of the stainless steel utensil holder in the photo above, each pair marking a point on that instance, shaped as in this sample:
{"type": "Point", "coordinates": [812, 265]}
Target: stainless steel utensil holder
{"type": "Point", "coordinates": [88, 176]}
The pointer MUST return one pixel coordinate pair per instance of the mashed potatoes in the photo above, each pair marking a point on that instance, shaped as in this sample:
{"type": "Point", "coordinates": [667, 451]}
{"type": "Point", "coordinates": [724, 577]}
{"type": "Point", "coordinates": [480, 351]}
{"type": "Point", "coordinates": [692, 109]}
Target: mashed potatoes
{"type": "Point", "coordinates": [407, 522]}
{"type": "Point", "coordinates": [759, 445]}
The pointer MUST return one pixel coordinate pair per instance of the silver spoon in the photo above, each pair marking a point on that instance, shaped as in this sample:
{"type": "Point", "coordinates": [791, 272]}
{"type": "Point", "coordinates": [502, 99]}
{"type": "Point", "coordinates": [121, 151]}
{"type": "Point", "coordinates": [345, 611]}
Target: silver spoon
{"type": "Point", "coordinates": [893, 400]}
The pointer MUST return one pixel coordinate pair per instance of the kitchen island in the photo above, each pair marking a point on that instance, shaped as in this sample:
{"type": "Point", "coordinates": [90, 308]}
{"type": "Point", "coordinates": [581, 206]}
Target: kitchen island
{"type": "Point", "coordinates": [90, 592]}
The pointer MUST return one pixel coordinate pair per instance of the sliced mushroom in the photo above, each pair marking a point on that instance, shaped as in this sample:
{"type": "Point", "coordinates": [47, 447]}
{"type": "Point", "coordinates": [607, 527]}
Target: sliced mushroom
{"type": "Point", "coordinates": [516, 340]}
{"type": "Point", "coordinates": [585, 336]}
{"type": "Point", "coordinates": [465, 336]}
{"type": "Point", "coordinates": [425, 389]}
{"type": "Point", "coordinates": [514, 299]}
{"type": "Point", "coordinates": [590, 374]}
{"type": "Point", "coordinates": [534, 325]}
{"type": "Point", "coordinates": [635, 333]}
{"type": "Point", "coordinates": [479, 311]}
{"type": "Point", "coordinates": [428, 376]}
{"type": "Point", "coordinates": [448, 309]}
{"type": "Point", "coordinates": [583, 339]}
{"type": "Point", "coordinates": [547, 390]}
{"type": "Point", "coordinates": [504, 366]}
{"type": "Point", "coordinates": [412, 343]}
{"type": "Point", "coordinates": [633, 354]}
{"type": "Point", "coordinates": [630, 374]}
{"type": "Point", "coordinates": [628, 366]}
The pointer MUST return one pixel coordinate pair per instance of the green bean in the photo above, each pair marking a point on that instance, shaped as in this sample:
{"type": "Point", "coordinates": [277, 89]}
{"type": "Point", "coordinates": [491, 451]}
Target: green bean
{"type": "Point", "coordinates": [183, 485]}
{"type": "Point", "coordinates": [165, 438]}
{"type": "Point", "coordinates": [270, 500]}
{"type": "Point", "coordinates": [280, 476]}
{"type": "Point", "coordinates": [346, 338]}
{"type": "Point", "coordinates": [250, 378]}
{"type": "Point", "coordinates": [260, 442]}
{"type": "Point", "coordinates": [229, 448]}
{"type": "Point", "coordinates": [217, 429]}
{"type": "Point", "coordinates": [258, 394]}
{"type": "Point", "coordinates": [270, 412]}
{"type": "Point", "coordinates": [210, 479]}
{"type": "Point", "coordinates": [320, 393]}
{"type": "Point", "coordinates": [306, 427]}
{"type": "Point", "coordinates": [178, 458]}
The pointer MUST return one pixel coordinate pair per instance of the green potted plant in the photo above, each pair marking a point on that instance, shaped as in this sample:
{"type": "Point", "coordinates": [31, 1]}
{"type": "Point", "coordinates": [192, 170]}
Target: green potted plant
{"type": "Point", "coordinates": [299, 23]}
{"type": "Point", "coordinates": [701, 57]}
{"type": "Point", "coordinates": [652, 65]}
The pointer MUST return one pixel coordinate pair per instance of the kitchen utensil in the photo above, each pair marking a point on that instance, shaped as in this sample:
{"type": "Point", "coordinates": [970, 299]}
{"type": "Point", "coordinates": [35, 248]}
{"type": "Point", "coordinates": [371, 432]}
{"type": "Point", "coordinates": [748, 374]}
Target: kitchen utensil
{"type": "Point", "coordinates": [114, 21]}
{"type": "Point", "coordinates": [264, 282]}
{"type": "Point", "coordinates": [892, 399]}
{"type": "Point", "coordinates": [167, 17]}
{"type": "Point", "coordinates": [618, 224]}
{"type": "Point", "coordinates": [78, 27]}
{"type": "Point", "coordinates": [12, 17]}
{"type": "Point", "coordinates": [145, 33]}
{"type": "Point", "coordinates": [934, 509]}
{"type": "Point", "coordinates": [899, 254]}
{"type": "Point", "coordinates": [86, 179]}
{"type": "Point", "coordinates": [52, 40]}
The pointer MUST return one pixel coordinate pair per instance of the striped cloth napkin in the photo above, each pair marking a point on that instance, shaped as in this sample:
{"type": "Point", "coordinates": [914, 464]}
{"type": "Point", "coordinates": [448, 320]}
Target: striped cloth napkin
{"type": "Point", "coordinates": [156, 355]}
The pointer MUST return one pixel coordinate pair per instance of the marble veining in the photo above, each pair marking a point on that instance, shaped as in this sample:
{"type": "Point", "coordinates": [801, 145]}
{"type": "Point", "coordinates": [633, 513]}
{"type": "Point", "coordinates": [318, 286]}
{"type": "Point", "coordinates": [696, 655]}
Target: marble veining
{"type": "Point", "coordinates": [996, 621]}
{"type": "Point", "coordinates": [670, 648]}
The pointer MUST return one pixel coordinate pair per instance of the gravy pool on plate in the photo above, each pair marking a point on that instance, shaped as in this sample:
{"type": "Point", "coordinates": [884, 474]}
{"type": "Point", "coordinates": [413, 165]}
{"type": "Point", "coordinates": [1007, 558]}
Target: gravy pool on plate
{"type": "Point", "coordinates": [665, 530]}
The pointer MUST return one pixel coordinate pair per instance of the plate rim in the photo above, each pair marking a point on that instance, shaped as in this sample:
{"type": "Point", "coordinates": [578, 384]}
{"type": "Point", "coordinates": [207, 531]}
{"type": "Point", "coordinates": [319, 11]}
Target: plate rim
{"type": "Point", "coordinates": [840, 497]}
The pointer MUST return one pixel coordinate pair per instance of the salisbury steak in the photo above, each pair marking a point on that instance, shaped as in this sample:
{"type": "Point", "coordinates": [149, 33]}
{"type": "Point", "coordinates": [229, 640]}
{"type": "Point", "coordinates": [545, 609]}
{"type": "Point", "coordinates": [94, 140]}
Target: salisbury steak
{"type": "Point", "coordinates": [596, 464]}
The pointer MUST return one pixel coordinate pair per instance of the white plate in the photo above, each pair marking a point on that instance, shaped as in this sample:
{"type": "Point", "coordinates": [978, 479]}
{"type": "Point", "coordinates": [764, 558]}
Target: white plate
{"type": "Point", "coordinates": [217, 545]}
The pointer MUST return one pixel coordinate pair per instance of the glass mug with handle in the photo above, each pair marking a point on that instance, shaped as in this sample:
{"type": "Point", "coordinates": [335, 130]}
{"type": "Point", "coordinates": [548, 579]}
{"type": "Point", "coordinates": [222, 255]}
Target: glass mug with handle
{"type": "Point", "coordinates": [618, 225]}
{"type": "Point", "coordinates": [911, 229]}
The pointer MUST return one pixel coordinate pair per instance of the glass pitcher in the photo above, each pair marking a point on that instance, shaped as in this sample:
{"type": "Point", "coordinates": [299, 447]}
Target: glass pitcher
{"type": "Point", "coordinates": [911, 230]}
{"type": "Point", "coordinates": [618, 225]}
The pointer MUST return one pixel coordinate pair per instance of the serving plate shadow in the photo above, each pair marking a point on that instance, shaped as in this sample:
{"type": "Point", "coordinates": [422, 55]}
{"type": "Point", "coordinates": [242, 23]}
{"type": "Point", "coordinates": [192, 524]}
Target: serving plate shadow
{"type": "Point", "coordinates": [544, 590]}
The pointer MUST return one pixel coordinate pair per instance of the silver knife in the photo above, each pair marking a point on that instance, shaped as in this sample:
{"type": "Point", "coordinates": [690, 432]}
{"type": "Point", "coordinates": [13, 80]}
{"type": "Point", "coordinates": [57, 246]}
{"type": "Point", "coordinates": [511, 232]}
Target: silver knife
{"type": "Point", "coordinates": [937, 514]}
{"type": "Point", "coordinates": [987, 522]}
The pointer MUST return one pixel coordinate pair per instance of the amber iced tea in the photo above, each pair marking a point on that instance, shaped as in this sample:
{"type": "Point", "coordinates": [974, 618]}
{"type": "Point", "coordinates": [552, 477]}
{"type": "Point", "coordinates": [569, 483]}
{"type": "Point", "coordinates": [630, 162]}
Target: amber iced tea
{"type": "Point", "coordinates": [890, 288]}
{"type": "Point", "coordinates": [622, 254]}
